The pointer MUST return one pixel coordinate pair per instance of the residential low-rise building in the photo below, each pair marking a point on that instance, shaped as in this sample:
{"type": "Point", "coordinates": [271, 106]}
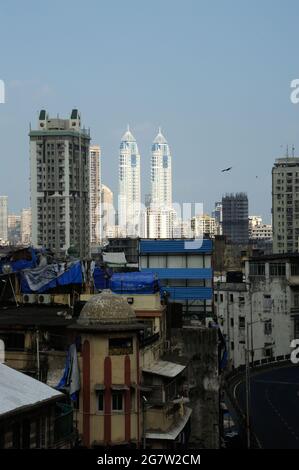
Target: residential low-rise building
{"type": "Point", "coordinates": [32, 414]}
{"type": "Point", "coordinates": [266, 303]}
{"type": "Point", "coordinates": [185, 271]}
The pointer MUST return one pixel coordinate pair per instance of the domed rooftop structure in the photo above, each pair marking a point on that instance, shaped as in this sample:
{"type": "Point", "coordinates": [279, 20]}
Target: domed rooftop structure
{"type": "Point", "coordinates": [106, 308]}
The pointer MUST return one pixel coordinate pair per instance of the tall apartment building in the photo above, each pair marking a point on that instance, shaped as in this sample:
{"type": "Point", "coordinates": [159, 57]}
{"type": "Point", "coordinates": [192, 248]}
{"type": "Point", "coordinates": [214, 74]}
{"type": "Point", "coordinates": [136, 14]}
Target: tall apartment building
{"type": "Point", "coordinates": [217, 215]}
{"type": "Point", "coordinates": [14, 229]}
{"type": "Point", "coordinates": [235, 217]}
{"type": "Point", "coordinates": [26, 226]}
{"type": "Point", "coordinates": [59, 159]}
{"type": "Point", "coordinates": [108, 211]}
{"type": "Point", "coordinates": [129, 186]}
{"type": "Point", "coordinates": [285, 205]}
{"type": "Point", "coordinates": [95, 194]}
{"type": "Point", "coordinates": [203, 224]}
{"type": "Point", "coordinates": [4, 218]}
{"type": "Point", "coordinates": [161, 217]}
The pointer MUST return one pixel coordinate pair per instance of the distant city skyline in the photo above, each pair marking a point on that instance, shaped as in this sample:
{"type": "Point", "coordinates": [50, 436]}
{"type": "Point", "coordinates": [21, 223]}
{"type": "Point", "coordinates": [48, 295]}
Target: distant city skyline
{"type": "Point", "coordinates": [214, 75]}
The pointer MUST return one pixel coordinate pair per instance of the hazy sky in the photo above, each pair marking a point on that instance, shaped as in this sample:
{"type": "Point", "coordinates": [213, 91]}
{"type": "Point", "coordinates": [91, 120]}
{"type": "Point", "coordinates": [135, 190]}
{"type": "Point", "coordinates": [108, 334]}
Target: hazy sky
{"type": "Point", "coordinates": [214, 74]}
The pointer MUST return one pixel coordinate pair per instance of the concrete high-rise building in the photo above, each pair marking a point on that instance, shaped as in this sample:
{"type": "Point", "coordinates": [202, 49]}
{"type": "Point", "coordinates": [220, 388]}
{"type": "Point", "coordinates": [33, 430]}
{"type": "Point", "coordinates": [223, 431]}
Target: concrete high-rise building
{"type": "Point", "coordinates": [161, 174]}
{"type": "Point", "coordinates": [161, 216]}
{"type": "Point", "coordinates": [14, 229]}
{"type": "Point", "coordinates": [26, 226]}
{"type": "Point", "coordinates": [108, 211]}
{"type": "Point", "coordinates": [129, 204]}
{"type": "Point", "coordinates": [59, 159]}
{"type": "Point", "coordinates": [217, 215]}
{"type": "Point", "coordinates": [4, 218]}
{"type": "Point", "coordinates": [235, 217]}
{"type": "Point", "coordinates": [285, 205]}
{"type": "Point", "coordinates": [95, 194]}
{"type": "Point", "coordinates": [203, 225]}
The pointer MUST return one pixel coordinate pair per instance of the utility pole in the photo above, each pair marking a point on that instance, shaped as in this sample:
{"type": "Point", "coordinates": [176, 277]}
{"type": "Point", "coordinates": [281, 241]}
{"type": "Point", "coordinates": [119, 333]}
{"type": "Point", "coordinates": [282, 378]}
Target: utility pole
{"type": "Point", "coordinates": [247, 376]}
{"type": "Point", "coordinates": [37, 355]}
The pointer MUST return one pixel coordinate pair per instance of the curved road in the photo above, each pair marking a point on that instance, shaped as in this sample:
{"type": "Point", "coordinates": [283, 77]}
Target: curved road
{"type": "Point", "coordinates": [274, 407]}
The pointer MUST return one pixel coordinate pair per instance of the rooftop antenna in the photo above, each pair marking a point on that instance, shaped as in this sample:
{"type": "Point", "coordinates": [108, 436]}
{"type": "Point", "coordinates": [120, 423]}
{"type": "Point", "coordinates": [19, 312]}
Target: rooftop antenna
{"type": "Point", "coordinates": [293, 150]}
{"type": "Point", "coordinates": [287, 151]}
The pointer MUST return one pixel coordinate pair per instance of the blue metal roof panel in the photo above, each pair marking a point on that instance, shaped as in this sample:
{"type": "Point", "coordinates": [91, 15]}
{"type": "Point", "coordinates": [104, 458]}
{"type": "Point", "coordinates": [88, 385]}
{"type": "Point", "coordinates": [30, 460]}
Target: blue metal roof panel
{"type": "Point", "coordinates": [176, 246]}
{"type": "Point", "coordinates": [181, 273]}
{"type": "Point", "coordinates": [189, 293]}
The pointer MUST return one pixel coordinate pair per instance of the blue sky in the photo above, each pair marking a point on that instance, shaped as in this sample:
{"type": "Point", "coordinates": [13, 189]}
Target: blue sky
{"type": "Point", "coordinates": [215, 75]}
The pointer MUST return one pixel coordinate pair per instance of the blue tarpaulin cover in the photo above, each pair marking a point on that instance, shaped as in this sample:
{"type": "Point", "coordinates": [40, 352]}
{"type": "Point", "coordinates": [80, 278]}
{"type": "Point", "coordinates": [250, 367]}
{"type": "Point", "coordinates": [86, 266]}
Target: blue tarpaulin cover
{"type": "Point", "coordinates": [21, 264]}
{"type": "Point", "coordinates": [48, 277]}
{"type": "Point", "coordinates": [134, 283]}
{"type": "Point", "coordinates": [99, 278]}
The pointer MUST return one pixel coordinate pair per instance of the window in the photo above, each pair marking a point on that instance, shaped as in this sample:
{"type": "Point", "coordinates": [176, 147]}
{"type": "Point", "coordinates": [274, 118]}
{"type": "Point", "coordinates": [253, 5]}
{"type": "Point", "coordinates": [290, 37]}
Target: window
{"type": "Point", "coordinates": [295, 269]}
{"type": "Point", "coordinates": [100, 401]}
{"type": "Point", "coordinates": [119, 346]}
{"type": "Point", "coordinates": [117, 401]}
{"type": "Point", "coordinates": [13, 341]}
{"type": "Point", "coordinates": [231, 297]}
{"type": "Point", "coordinates": [232, 345]}
{"type": "Point", "coordinates": [277, 269]}
{"type": "Point", "coordinates": [296, 328]}
{"type": "Point", "coordinates": [267, 302]}
{"type": "Point", "coordinates": [26, 434]}
{"type": "Point", "coordinates": [231, 322]}
{"type": "Point", "coordinates": [257, 269]}
{"type": "Point", "coordinates": [268, 352]}
{"type": "Point", "coordinates": [241, 322]}
{"type": "Point", "coordinates": [268, 327]}
{"type": "Point", "coordinates": [16, 436]}
{"type": "Point", "coordinates": [221, 297]}
{"type": "Point", "coordinates": [216, 297]}
{"type": "Point", "coordinates": [296, 300]}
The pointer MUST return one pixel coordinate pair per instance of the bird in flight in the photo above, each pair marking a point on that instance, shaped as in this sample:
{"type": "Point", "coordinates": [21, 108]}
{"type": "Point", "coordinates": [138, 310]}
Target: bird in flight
{"type": "Point", "coordinates": [226, 169]}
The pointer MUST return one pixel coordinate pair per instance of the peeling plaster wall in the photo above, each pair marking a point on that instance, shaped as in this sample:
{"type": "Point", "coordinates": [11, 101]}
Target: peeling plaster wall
{"type": "Point", "coordinates": [200, 345]}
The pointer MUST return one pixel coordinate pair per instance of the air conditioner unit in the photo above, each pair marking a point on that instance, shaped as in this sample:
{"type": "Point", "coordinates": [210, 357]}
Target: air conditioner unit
{"type": "Point", "coordinates": [29, 298]}
{"type": "Point", "coordinates": [44, 299]}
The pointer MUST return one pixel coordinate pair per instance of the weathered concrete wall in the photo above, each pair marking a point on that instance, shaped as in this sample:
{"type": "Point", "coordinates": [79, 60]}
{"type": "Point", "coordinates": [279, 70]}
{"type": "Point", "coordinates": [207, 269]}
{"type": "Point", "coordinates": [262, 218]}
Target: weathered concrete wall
{"type": "Point", "coordinates": [200, 345]}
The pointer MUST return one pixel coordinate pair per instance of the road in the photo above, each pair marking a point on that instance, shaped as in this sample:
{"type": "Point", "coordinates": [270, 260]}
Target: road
{"type": "Point", "coordinates": [274, 407]}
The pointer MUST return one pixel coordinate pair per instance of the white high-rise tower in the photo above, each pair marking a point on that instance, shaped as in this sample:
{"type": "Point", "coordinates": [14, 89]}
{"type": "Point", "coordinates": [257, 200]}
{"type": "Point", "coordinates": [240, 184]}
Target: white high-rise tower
{"type": "Point", "coordinates": [129, 216]}
{"type": "Point", "coordinates": [161, 177]}
{"type": "Point", "coordinates": [160, 215]}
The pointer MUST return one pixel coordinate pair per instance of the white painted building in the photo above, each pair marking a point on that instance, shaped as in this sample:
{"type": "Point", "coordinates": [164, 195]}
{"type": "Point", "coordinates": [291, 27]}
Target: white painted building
{"type": "Point", "coordinates": [203, 224]}
{"type": "Point", "coordinates": [257, 229]}
{"type": "Point", "coordinates": [269, 298]}
{"type": "Point", "coordinates": [161, 215]}
{"type": "Point", "coordinates": [129, 204]}
{"type": "Point", "coordinates": [95, 194]}
{"type": "Point", "coordinates": [4, 219]}
{"type": "Point", "coordinates": [26, 226]}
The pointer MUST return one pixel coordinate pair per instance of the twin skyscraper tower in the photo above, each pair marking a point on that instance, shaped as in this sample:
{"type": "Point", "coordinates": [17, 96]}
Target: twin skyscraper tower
{"type": "Point", "coordinates": [134, 219]}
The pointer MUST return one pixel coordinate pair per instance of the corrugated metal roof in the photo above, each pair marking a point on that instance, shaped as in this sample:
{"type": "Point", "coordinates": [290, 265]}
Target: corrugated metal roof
{"type": "Point", "coordinates": [18, 390]}
{"type": "Point", "coordinates": [164, 368]}
{"type": "Point", "coordinates": [189, 293]}
{"type": "Point", "coordinates": [181, 273]}
{"type": "Point", "coordinates": [175, 246]}
{"type": "Point", "coordinates": [172, 433]}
